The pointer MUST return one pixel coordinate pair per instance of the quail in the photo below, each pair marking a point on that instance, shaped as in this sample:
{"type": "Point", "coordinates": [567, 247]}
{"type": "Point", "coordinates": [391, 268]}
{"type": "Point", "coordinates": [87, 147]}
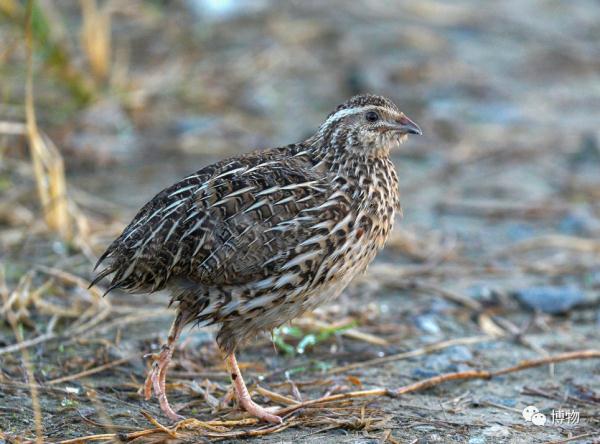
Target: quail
{"type": "Point", "coordinates": [251, 242]}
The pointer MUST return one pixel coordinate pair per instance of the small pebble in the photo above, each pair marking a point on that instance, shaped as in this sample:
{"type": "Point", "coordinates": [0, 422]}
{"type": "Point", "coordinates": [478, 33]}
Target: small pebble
{"type": "Point", "coordinates": [479, 439]}
{"type": "Point", "coordinates": [552, 300]}
{"type": "Point", "coordinates": [481, 292]}
{"type": "Point", "coordinates": [588, 152]}
{"type": "Point", "coordinates": [497, 431]}
{"type": "Point", "coordinates": [424, 373]}
{"type": "Point", "coordinates": [428, 324]}
{"type": "Point", "coordinates": [458, 353]}
{"type": "Point", "coordinates": [580, 222]}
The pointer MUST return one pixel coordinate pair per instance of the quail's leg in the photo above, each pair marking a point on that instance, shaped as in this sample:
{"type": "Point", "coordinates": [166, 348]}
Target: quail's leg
{"type": "Point", "coordinates": [157, 376]}
{"type": "Point", "coordinates": [242, 395]}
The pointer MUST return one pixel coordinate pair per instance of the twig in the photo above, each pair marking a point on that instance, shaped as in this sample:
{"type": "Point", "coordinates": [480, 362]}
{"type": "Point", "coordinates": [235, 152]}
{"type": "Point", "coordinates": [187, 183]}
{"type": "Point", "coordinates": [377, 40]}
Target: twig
{"type": "Point", "coordinates": [140, 316]}
{"type": "Point", "coordinates": [217, 423]}
{"type": "Point", "coordinates": [158, 425]}
{"type": "Point", "coordinates": [501, 209]}
{"type": "Point", "coordinates": [275, 396]}
{"type": "Point", "coordinates": [390, 274]}
{"type": "Point", "coordinates": [72, 279]}
{"type": "Point", "coordinates": [91, 371]}
{"type": "Point", "coordinates": [581, 354]}
{"type": "Point", "coordinates": [98, 437]}
{"type": "Point", "coordinates": [27, 344]}
{"type": "Point", "coordinates": [197, 423]}
{"type": "Point", "coordinates": [446, 294]}
{"type": "Point", "coordinates": [388, 437]}
{"type": "Point", "coordinates": [417, 386]}
{"type": "Point", "coordinates": [411, 354]}
{"type": "Point", "coordinates": [437, 380]}
{"type": "Point", "coordinates": [559, 241]}
{"type": "Point", "coordinates": [254, 432]}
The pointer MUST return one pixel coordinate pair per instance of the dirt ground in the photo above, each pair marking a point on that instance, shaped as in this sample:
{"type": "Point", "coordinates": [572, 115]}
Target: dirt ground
{"type": "Point", "coordinates": [496, 260]}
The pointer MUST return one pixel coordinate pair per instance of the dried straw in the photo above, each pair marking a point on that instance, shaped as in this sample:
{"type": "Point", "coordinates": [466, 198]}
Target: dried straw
{"type": "Point", "coordinates": [47, 162]}
{"type": "Point", "coordinates": [96, 37]}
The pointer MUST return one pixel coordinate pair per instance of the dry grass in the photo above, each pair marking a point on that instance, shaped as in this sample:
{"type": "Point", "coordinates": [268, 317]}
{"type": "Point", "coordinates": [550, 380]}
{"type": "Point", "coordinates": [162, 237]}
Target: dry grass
{"type": "Point", "coordinates": [47, 162]}
{"type": "Point", "coordinates": [96, 37]}
{"type": "Point", "coordinates": [19, 296]}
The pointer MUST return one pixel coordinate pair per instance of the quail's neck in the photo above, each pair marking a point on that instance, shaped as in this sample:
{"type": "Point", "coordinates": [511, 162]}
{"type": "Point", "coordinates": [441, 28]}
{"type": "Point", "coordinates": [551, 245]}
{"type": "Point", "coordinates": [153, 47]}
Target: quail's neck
{"type": "Point", "coordinates": [350, 162]}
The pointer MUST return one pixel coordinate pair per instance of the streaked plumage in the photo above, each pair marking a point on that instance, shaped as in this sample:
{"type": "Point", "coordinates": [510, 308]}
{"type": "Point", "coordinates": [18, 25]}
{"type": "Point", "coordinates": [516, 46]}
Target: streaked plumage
{"type": "Point", "coordinates": [251, 242]}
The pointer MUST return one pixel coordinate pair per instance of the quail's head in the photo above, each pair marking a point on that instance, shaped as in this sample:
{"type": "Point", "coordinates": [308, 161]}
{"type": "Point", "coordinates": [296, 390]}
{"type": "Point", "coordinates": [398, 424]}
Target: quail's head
{"type": "Point", "coordinates": [366, 125]}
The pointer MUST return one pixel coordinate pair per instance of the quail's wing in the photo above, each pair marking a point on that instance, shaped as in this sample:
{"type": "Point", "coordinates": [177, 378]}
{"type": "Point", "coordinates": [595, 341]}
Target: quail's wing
{"type": "Point", "coordinates": [229, 223]}
{"type": "Point", "coordinates": [268, 230]}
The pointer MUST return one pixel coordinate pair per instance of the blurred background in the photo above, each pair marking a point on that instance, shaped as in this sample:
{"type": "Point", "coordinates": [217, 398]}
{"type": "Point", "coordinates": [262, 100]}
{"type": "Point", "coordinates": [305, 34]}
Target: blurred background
{"type": "Point", "coordinates": [104, 103]}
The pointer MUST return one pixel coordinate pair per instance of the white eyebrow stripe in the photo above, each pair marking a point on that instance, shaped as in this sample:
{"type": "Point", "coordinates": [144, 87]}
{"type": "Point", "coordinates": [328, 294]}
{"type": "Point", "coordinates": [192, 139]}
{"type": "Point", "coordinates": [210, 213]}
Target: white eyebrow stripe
{"type": "Point", "coordinates": [346, 112]}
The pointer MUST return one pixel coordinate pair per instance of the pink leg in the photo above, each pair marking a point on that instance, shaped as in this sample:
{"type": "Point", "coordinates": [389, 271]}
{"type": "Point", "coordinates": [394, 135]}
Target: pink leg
{"type": "Point", "coordinates": [242, 395]}
{"type": "Point", "coordinates": [157, 376]}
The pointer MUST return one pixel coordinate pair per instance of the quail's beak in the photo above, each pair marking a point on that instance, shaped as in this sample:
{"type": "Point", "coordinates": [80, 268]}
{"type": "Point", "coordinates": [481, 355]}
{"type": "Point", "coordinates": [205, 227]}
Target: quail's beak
{"type": "Point", "coordinates": [407, 126]}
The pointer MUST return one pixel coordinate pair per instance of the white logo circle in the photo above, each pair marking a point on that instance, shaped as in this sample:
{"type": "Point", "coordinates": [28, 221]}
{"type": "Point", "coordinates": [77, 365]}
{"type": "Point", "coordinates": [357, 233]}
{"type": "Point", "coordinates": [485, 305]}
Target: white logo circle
{"type": "Point", "coordinates": [529, 411]}
{"type": "Point", "coordinates": [538, 419]}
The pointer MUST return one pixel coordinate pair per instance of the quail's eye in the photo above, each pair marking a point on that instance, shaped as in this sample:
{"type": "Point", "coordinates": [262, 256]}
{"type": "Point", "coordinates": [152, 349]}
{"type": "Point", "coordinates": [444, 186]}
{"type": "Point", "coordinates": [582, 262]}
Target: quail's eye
{"type": "Point", "coordinates": [372, 116]}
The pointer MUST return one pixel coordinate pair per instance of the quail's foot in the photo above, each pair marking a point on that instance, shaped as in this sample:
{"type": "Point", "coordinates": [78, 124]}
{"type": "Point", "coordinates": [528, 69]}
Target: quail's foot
{"type": "Point", "coordinates": [243, 397]}
{"type": "Point", "coordinates": [156, 380]}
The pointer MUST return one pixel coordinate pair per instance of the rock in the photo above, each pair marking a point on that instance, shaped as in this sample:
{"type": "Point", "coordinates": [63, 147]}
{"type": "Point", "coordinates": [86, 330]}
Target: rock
{"type": "Point", "coordinates": [579, 222]}
{"type": "Point", "coordinates": [437, 363]}
{"type": "Point", "coordinates": [497, 431]}
{"type": "Point", "coordinates": [588, 152]}
{"type": "Point", "coordinates": [481, 292]}
{"type": "Point", "coordinates": [428, 323]}
{"type": "Point", "coordinates": [441, 306]}
{"type": "Point", "coordinates": [422, 373]}
{"type": "Point", "coordinates": [458, 353]}
{"type": "Point", "coordinates": [446, 361]}
{"type": "Point", "coordinates": [553, 300]}
{"type": "Point", "coordinates": [224, 10]}
{"type": "Point", "coordinates": [519, 231]}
